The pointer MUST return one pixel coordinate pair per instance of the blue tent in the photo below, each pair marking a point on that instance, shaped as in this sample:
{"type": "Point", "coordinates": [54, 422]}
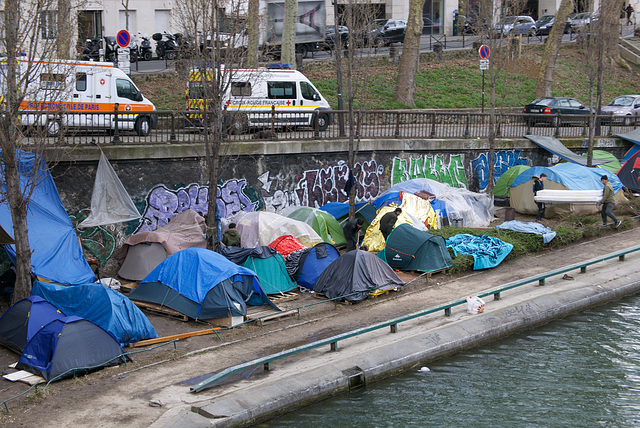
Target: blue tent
{"type": "Point", "coordinates": [57, 255]}
{"type": "Point", "coordinates": [313, 262]}
{"type": "Point", "coordinates": [201, 284]}
{"type": "Point", "coordinates": [23, 319]}
{"type": "Point", "coordinates": [102, 306]}
{"type": "Point", "coordinates": [69, 346]}
{"type": "Point", "coordinates": [340, 211]}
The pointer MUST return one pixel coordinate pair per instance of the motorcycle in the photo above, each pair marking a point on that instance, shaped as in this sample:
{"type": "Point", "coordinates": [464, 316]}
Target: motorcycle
{"type": "Point", "coordinates": [166, 48]}
{"type": "Point", "coordinates": [133, 50]}
{"type": "Point", "coordinates": [145, 50]}
{"type": "Point", "coordinates": [110, 49]}
{"type": "Point", "coordinates": [91, 50]}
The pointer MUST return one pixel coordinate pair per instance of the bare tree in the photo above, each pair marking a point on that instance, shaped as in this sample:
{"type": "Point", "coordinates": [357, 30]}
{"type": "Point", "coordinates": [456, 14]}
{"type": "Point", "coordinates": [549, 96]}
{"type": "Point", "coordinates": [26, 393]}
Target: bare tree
{"type": "Point", "coordinates": [288, 48]}
{"type": "Point", "coordinates": [410, 59]}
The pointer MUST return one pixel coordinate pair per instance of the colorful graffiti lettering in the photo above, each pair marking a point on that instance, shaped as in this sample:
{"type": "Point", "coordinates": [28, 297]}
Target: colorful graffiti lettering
{"type": "Point", "coordinates": [434, 167]}
{"type": "Point", "coordinates": [503, 160]}
{"type": "Point", "coordinates": [164, 204]}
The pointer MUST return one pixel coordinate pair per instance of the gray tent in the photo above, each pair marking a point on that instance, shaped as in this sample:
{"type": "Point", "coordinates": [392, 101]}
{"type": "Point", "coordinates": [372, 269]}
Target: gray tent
{"type": "Point", "coordinates": [354, 275]}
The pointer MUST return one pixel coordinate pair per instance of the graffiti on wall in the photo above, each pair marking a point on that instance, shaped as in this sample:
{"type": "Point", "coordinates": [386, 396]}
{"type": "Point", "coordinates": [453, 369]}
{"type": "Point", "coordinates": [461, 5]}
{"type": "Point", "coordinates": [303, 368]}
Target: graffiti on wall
{"type": "Point", "coordinates": [317, 187]}
{"type": "Point", "coordinates": [435, 167]}
{"type": "Point", "coordinates": [163, 204]}
{"type": "Point", "coordinates": [503, 160]}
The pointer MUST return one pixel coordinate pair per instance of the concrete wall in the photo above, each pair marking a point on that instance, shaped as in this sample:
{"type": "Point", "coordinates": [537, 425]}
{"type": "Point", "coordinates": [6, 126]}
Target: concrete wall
{"type": "Point", "coordinates": [163, 180]}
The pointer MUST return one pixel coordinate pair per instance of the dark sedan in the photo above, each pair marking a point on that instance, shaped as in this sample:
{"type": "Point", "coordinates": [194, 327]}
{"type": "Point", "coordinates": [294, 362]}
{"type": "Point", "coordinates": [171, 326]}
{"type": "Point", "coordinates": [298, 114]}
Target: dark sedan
{"type": "Point", "coordinates": [330, 37]}
{"type": "Point", "coordinates": [544, 24]}
{"type": "Point", "coordinates": [545, 110]}
{"type": "Point", "coordinates": [388, 31]}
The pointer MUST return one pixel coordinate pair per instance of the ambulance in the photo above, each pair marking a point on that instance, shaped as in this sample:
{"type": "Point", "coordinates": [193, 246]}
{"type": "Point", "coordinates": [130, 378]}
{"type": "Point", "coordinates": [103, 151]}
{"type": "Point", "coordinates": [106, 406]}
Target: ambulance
{"type": "Point", "coordinates": [72, 94]}
{"type": "Point", "coordinates": [253, 95]}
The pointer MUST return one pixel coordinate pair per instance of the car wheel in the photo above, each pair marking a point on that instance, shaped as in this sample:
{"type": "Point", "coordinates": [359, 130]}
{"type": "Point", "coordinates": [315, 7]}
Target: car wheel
{"type": "Point", "coordinates": [53, 128]}
{"type": "Point", "coordinates": [323, 122]}
{"type": "Point", "coordinates": [304, 50]}
{"type": "Point", "coordinates": [532, 32]}
{"type": "Point", "coordinates": [143, 126]}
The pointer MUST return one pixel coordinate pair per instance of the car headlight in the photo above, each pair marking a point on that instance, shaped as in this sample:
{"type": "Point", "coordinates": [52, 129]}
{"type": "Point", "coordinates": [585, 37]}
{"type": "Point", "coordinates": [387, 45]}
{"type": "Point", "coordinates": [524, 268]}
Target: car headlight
{"type": "Point", "coordinates": [619, 112]}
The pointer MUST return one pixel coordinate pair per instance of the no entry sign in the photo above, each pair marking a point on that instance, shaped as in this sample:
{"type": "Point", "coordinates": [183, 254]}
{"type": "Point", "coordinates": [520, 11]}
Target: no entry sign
{"type": "Point", "coordinates": [123, 38]}
{"type": "Point", "coordinates": [484, 51]}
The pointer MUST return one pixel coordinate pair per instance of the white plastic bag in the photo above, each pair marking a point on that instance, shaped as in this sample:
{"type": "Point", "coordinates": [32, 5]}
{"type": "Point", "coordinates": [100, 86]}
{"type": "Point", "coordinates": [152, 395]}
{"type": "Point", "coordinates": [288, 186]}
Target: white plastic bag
{"type": "Point", "coordinates": [475, 305]}
{"type": "Point", "coordinates": [112, 283]}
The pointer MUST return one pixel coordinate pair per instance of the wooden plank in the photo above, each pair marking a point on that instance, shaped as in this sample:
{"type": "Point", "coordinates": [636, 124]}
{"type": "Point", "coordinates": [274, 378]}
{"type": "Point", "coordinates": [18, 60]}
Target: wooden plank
{"type": "Point", "coordinates": [284, 297]}
{"type": "Point", "coordinates": [179, 336]}
{"type": "Point", "coordinates": [161, 310]}
{"type": "Point", "coordinates": [127, 286]}
{"type": "Point", "coordinates": [260, 314]}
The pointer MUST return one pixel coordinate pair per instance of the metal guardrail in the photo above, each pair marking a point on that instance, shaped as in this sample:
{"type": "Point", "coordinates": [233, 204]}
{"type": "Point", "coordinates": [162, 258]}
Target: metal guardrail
{"type": "Point", "coordinates": [393, 323]}
{"type": "Point", "coordinates": [73, 128]}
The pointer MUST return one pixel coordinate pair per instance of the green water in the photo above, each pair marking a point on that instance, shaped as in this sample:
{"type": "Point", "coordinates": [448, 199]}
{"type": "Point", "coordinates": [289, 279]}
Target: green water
{"type": "Point", "coordinates": [582, 371]}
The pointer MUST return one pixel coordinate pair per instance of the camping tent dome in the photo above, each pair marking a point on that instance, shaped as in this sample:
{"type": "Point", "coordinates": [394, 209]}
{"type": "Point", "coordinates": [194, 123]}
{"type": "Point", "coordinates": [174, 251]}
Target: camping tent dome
{"type": "Point", "coordinates": [201, 284]}
{"type": "Point", "coordinates": [501, 188]}
{"type": "Point", "coordinates": [322, 222]}
{"type": "Point", "coordinates": [354, 275]}
{"type": "Point", "coordinates": [68, 346]}
{"type": "Point", "coordinates": [310, 263]}
{"type": "Point", "coordinates": [408, 248]}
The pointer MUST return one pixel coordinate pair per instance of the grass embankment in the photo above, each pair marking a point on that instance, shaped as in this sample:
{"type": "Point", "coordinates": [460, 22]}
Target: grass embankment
{"type": "Point", "coordinates": [456, 82]}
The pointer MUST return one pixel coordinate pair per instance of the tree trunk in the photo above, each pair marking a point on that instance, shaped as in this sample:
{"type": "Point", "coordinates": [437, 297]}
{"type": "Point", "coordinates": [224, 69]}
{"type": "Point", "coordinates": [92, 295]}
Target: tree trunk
{"type": "Point", "coordinates": [63, 30]}
{"type": "Point", "coordinates": [288, 48]}
{"type": "Point", "coordinates": [253, 34]}
{"type": "Point", "coordinates": [551, 47]}
{"type": "Point", "coordinates": [410, 59]}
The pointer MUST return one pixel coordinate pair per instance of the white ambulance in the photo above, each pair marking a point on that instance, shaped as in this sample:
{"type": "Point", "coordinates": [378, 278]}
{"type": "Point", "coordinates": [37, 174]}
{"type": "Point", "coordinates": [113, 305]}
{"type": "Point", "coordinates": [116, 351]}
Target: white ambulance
{"type": "Point", "coordinates": [253, 95]}
{"type": "Point", "coordinates": [72, 94]}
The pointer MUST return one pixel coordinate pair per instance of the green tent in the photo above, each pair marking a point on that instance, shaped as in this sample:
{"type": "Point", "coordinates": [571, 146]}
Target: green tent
{"type": "Point", "coordinates": [408, 248]}
{"type": "Point", "coordinates": [272, 273]}
{"type": "Point", "coordinates": [501, 187]}
{"type": "Point", "coordinates": [322, 222]}
{"type": "Point", "coordinates": [613, 165]}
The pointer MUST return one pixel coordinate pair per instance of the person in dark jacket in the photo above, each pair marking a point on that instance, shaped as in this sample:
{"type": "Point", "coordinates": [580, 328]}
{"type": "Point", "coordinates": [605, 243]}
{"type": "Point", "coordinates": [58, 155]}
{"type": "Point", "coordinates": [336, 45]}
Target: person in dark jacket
{"type": "Point", "coordinates": [608, 202]}
{"type": "Point", "coordinates": [538, 184]}
{"type": "Point", "coordinates": [388, 221]}
{"type": "Point", "coordinates": [352, 233]}
{"type": "Point", "coordinates": [231, 237]}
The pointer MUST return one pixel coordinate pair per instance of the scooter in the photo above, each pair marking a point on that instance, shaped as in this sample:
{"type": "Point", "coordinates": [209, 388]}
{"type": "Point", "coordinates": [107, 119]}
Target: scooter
{"type": "Point", "coordinates": [166, 48]}
{"type": "Point", "coordinates": [133, 50]}
{"type": "Point", "coordinates": [91, 51]}
{"type": "Point", "coordinates": [145, 50]}
{"type": "Point", "coordinates": [110, 49]}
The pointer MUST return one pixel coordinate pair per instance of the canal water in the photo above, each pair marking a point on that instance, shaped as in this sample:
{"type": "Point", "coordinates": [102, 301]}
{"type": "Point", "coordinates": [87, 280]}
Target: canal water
{"type": "Point", "coordinates": [581, 371]}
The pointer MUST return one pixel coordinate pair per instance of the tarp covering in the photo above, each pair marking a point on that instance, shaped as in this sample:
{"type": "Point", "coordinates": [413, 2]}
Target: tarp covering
{"type": "Point", "coordinates": [261, 228]}
{"type": "Point", "coordinates": [110, 202]}
{"type": "Point", "coordinates": [56, 253]}
{"type": "Point", "coordinates": [529, 227]}
{"type": "Point", "coordinates": [23, 319]}
{"type": "Point", "coordinates": [202, 284]}
{"type": "Point", "coordinates": [239, 255]}
{"type": "Point", "coordinates": [629, 173]}
{"type": "Point", "coordinates": [487, 251]}
{"type": "Point", "coordinates": [66, 344]}
{"type": "Point", "coordinates": [408, 248]}
{"type": "Point", "coordinates": [102, 306]}
{"type": "Point", "coordinates": [322, 222]}
{"type": "Point", "coordinates": [340, 211]}
{"type": "Point", "coordinates": [556, 147]}
{"type": "Point", "coordinates": [631, 136]}
{"type": "Point", "coordinates": [501, 188]}
{"type": "Point", "coordinates": [286, 245]}
{"type": "Point", "coordinates": [354, 275]}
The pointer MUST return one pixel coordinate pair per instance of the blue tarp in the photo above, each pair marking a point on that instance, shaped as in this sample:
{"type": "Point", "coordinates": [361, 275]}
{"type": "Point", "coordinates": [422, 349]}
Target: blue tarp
{"type": "Point", "coordinates": [487, 251]}
{"type": "Point", "coordinates": [57, 255]}
{"type": "Point", "coordinates": [572, 176]}
{"type": "Point", "coordinates": [102, 306]}
{"type": "Point", "coordinates": [529, 227]}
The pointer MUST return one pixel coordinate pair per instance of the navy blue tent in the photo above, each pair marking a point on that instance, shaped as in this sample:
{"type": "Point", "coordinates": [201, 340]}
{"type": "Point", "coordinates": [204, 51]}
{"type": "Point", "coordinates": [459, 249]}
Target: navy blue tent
{"type": "Point", "coordinates": [69, 346]}
{"type": "Point", "coordinates": [313, 262]}
{"type": "Point", "coordinates": [102, 306]}
{"type": "Point", "coordinates": [57, 255]}
{"type": "Point", "coordinates": [23, 319]}
{"type": "Point", "coordinates": [202, 284]}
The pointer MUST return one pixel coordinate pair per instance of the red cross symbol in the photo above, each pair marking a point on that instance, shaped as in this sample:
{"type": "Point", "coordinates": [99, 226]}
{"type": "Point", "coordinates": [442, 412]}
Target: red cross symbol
{"type": "Point", "coordinates": [228, 102]}
{"type": "Point", "coordinates": [288, 102]}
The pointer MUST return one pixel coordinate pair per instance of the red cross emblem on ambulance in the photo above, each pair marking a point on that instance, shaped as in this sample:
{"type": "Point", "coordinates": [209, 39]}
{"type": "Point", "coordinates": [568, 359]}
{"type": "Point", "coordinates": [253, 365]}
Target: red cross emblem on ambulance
{"type": "Point", "coordinates": [288, 102]}
{"type": "Point", "coordinates": [102, 81]}
{"type": "Point", "coordinates": [228, 102]}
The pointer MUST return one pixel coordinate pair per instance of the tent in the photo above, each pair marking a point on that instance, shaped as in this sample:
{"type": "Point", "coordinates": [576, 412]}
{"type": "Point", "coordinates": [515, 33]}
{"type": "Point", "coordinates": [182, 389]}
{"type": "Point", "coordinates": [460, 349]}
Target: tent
{"type": "Point", "coordinates": [202, 284]}
{"type": "Point", "coordinates": [564, 176]}
{"type": "Point", "coordinates": [102, 306]}
{"type": "Point", "coordinates": [146, 250]}
{"type": "Point", "coordinates": [613, 166]}
{"type": "Point", "coordinates": [629, 173]}
{"type": "Point", "coordinates": [408, 248]}
{"type": "Point", "coordinates": [310, 263]}
{"type": "Point", "coordinates": [266, 262]}
{"type": "Point", "coordinates": [501, 188]}
{"type": "Point", "coordinates": [23, 319]}
{"type": "Point", "coordinates": [354, 275]}
{"type": "Point", "coordinates": [286, 245]}
{"type": "Point", "coordinates": [261, 228]}
{"type": "Point", "coordinates": [322, 222]}
{"type": "Point", "coordinates": [340, 211]}
{"type": "Point", "coordinates": [69, 346]}
{"type": "Point", "coordinates": [56, 252]}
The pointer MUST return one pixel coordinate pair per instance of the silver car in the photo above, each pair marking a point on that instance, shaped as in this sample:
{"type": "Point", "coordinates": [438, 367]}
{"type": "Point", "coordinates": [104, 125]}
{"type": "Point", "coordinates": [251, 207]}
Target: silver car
{"type": "Point", "coordinates": [514, 25]}
{"type": "Point", "coordinates": [624, 108]}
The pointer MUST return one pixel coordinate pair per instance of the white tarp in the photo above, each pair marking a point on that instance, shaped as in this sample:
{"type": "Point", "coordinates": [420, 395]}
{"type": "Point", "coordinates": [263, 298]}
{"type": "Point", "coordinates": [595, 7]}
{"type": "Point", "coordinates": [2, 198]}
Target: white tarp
{"type": "Point", "coordinates": [110, 202]}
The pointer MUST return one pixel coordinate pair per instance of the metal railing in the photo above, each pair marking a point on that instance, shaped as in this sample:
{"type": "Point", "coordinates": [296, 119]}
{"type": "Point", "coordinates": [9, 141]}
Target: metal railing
{"type": "Point", "coordinates": [73, 128]}
{"type": "Point", "coordinates": [393, 323]}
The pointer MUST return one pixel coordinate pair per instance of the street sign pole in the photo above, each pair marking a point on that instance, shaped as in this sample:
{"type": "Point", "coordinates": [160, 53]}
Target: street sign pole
{"type": "Point", "coordinates": [484, 52]}
{"type": "Point", "coordinates": [482, 91]}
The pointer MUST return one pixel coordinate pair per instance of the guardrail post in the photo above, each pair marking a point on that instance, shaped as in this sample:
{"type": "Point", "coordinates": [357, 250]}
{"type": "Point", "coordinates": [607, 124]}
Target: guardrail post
{"type": "Point", "coordinates": [496, 296]}
{"type": "Point", "coordinates": [394, 328]}
{"type": "Point", "coordinates": [433, 124]}
{"type": "Point", "coordinates": [621, 258]}
{"type": "Point", "coordinates": [316, 129]}
{"type": "Point", "coordinates": [466, 130]}
{"type": "Point", "coordinates": [267, 367]}
{"type": "Point", "coordinates": [273, 118]}
{"type": "Point", "coordinates": [541, 282]}
{"type": "Point", "coordinates": [558, 122]}
{"type": "Point", "coordinates": [610, 134]}
{"type": "Point", "coordinates": [116, 134]}
{"type": "Point", "coordinates": [499, 122]}
{"type": "Point", "coordinates": [583, 269]}
{"type": "Point", "coordinates": [397, 132]}
{"type": "Point", "coordinates": [447, 312]}
{"type": "Point", "coordinates": [334, 346]}
{"type": "Point", "coordinates": [172, 137]}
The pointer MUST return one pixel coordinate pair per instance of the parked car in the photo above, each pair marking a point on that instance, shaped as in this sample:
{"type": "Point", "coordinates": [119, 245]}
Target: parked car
{"type": "Point", "coordinates": [552, 106]}
{"type": "Point", "coordinates": [388, 31]}
{"type": "Point", "coordinates": [625, 109]}
{"type": "Point", "coordinates": [580, 20]}
{"type": "Point", "coordinates": [429, 26]}
{"type": "Point", "coordinates": [514, 25]}
{"type": "Point", "coordinates": [544, 24]}
{"type": "Point", "coordinates": [330, 37]}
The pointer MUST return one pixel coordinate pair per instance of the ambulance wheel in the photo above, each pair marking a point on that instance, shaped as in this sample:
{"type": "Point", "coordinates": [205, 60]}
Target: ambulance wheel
{"type": "Point", "coordinates": [171, 55]}
{"type": "Point", "coordinates": [323, 122]}
{"type": "Point", "coordinates": [146, 56]}
{"type": "Point", "coordinates": [239, 124]}
{"type": "Point", "coordinates": [143, 126]}
{"type": "Point", "coordinates": [53, 128]}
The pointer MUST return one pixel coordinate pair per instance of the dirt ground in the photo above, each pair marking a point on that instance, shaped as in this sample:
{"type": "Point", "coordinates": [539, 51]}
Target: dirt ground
{"type": "Point", "coordinates": [124, 395]}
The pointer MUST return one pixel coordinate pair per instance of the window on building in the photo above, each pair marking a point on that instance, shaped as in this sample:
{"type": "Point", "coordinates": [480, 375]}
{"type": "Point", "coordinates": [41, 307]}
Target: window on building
{"type": "Point", "coordinates": [48, 24]}
{"type": "Point", "coordinates": [89, 25]}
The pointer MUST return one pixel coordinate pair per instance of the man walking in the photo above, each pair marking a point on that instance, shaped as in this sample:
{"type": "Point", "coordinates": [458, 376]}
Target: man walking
{"type": "Point", "coordinates": [538, 184]}
{"type": "Point", "coordinates": [630, 11]}
{"type": "Point", "coordinates": [352, 233]}
{"type": "Point", "coordinates": [388, 221]}
{"type": "Point", "coordinates": [608, 202]}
